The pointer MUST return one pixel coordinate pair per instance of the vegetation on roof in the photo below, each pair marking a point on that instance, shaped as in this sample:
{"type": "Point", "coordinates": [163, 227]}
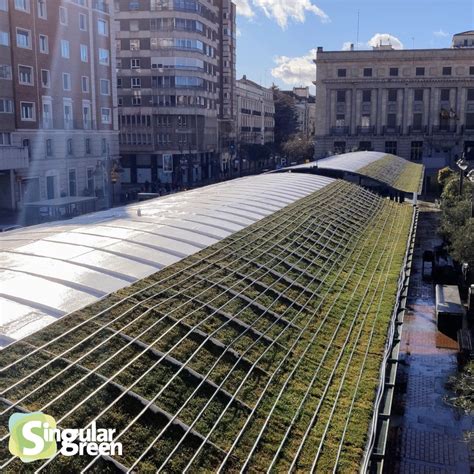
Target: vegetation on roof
{"type": "Point", "coordinates": [261, 351]}
{"type": "Point", "coordinates": [396, 172]}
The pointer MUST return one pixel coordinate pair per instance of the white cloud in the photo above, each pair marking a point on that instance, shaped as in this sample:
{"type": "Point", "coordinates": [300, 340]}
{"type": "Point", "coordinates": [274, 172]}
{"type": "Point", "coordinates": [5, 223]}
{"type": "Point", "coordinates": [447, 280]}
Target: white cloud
{"type": "Point", "coordinates": [385, 38]}
{"type": "Point", "coordinates": [441, 34]}
{"type": "Point", "coordinates": [244, 8]}
{"type": "Point", "coordinates": [281, 10]}
{"type": "Point", "coordinates": [296, 71]}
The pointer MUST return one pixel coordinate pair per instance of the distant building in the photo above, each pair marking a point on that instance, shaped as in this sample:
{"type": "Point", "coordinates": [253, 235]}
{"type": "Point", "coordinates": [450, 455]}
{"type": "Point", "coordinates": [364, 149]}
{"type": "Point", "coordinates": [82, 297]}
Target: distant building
{"type": "Point", "coordinates": [255, 113]}
{"type": "Point", "coordinates": [418, 104]}
{"type": "Point", "coordinates": [305, 105]}
{"type": "Point", "coordinates": [176, 87]}
{"type": "Point", "coordinates": [58, 130]}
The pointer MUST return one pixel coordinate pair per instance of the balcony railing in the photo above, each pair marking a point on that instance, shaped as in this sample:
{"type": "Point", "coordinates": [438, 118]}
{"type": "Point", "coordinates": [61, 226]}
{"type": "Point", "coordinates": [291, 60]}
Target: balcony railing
{"type": "Point", "coordinates": [366, 130]}
{"type": "Point", "coordinates": [451, 128]}
{"type": "Point", "coordinates": [417, 130]}
{"type": "Point", "coordinates": [387, 130]}
{"type": "Point", "coordinates": [339, 130]}
{"type": "Point", "coordinates": [14, 157]}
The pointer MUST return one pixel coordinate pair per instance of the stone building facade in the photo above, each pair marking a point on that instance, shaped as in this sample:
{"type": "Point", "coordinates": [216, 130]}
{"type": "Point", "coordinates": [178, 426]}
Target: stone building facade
{"type": "Point", "coordinates": [255, 113]}
{"type": "Point", "coordinates": [418, 104]}
{"type": "Point", "coordinates": [58, 129]}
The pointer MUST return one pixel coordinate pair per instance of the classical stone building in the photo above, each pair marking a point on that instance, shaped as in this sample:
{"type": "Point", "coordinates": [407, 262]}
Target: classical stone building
{"type": "Point", "coordinates": [256, 113]}
{"type": "Point", "coordinates": [57, 97]}
{"type": "Point", "coordinates": [418, 104]}
{"type": "Point", "coordinates": [176, 87]}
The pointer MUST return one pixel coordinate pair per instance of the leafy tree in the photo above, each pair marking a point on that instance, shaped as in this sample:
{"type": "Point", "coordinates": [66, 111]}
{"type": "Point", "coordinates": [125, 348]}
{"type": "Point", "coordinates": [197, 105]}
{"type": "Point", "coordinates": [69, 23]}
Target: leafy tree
{"type": "Point", "coordinates": [286, 119]}
{"type": "Point", "coordinates": [462, 243]}
{"type": "Point", "coordinates": [299, 148]}
{"type": "Point", "coordinates": [445, 175]}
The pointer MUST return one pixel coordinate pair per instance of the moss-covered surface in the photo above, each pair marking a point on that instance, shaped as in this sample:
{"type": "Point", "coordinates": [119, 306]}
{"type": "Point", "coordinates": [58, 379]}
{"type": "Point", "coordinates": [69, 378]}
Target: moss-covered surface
{"type": "Point", "coordinates": [396, 172]}
{"type": "Point", "coordinates": [326, 268]}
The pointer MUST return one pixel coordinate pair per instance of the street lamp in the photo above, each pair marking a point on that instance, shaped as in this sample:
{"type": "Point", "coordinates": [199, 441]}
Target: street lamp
{"type": "Point", "coordinates": [463, 165]}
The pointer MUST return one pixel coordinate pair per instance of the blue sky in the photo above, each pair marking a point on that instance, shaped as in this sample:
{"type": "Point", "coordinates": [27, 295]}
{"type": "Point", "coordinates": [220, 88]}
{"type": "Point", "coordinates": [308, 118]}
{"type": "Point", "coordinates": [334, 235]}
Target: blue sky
{"type": "Point", "coordinates": [276, 37]}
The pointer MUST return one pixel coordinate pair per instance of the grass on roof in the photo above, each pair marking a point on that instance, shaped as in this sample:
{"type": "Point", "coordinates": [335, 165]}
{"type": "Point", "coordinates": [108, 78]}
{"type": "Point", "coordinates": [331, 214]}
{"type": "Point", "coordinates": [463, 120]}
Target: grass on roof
{"type": "Point", "coordinates": [303, 299]}
{"type": "Point", "coordinates": [396, 172]}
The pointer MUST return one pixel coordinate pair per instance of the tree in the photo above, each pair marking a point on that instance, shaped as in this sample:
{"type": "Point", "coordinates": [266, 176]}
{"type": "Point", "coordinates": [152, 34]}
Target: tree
{"type": "Point", "coordinates": [299, 148]}
{"type": "Point", "coordinates": [286, 119]}
{"type": "Point", "coordinates": [444, 176]}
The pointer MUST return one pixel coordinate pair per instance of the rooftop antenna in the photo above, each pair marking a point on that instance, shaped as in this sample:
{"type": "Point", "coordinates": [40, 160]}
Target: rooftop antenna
{"type": "Point", "coordinates": [358, 29]}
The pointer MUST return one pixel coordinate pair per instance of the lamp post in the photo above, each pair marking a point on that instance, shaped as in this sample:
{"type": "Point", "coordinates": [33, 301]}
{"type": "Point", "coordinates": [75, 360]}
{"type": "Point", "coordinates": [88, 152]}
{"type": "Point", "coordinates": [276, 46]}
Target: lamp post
{"type": "Point", "coordinates": [470, 177]}
{"type": "Point", "coordinates": [463, 165]}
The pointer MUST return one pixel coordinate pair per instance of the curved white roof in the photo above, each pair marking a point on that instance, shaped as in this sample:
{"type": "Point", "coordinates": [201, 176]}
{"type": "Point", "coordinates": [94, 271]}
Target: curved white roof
{"type": "Point", "coordinates": [53, 269]}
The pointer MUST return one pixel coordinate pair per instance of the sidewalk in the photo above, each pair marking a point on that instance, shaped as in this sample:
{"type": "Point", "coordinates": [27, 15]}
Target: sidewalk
{"type": "Point", "coordinates": [427, 436]}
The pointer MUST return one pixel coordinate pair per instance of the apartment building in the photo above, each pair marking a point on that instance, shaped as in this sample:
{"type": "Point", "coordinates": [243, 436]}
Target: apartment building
{"type": "Point", "coordinates": [418, 104]}
{"type": "Point", "coordinates": [58, 132]}
{"type": "Point", "coordinates": [255, 113]}
{"type": "Point", "coordinates": [176, 80]}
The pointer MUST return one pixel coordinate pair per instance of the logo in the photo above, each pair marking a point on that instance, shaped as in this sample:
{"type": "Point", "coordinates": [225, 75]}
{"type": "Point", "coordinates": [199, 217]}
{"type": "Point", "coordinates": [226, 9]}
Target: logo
{"type": "Point", "coordinates": [27, 436]}
{"type": "Point", "coordinates": [35, 436]}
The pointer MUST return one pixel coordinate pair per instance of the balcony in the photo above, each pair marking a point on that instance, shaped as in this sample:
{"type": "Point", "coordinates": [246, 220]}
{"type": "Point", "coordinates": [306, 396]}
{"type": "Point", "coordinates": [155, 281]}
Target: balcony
{"type": "Point", "coordinates": [451, 128]}
{"type": "Point", "coordinates": [366, 131]}
{"type": "Point", "coordinates": [14, 157]}
{"type": "Point", "coordinates": [339, 131]}
{"type": "Point", "coordinates": [412, 130]}
{"type": "Point", "coordinates": [387, 130]}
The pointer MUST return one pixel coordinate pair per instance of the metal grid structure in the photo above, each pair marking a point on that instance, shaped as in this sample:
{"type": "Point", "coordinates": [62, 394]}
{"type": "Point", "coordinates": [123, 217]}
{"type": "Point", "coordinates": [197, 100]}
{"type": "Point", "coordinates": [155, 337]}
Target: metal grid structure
{"type": "Point", "coordinates": [68, 265]}
{"type": "Point", "coordinates": [391, 170]}
{"type": "Point", "coordinates": [262, 351]}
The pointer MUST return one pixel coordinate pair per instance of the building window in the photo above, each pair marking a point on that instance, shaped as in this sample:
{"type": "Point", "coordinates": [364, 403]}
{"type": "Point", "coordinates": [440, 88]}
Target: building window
{"type": "Point", "coordinates": [85, 83]}
{"type": "Point", "coordinates": [445, 94]}
{"type": "Point", "coordinates": [340, 120]}
{"type": "Point", "coordinates": [469, 121]}
{"type": "Point", "coordinates": [470, 95]}
{"type": "Point", "coordinates": [339, 147]}
{"type": "Point", "coordinates": [105, 87]}
{"type": "Point", "coordinates": [4, 38]}
{"type": "Point", "coordinates": [69, 146]}
{"type": "Point", "coordinates": [135, 64]}
{"type": "Point", "coordinates": [84, 53]}
{"type": "Point", "coordinates": [105, 115]}
{"type": "Point", "coordinates": [341, 96]}
{"type": "Point", "coordinates": [6, 106]}
{"type": "Point", "coordinates": [27, 111]}
{"type": "Point", "coordinates": [67, 114]}
{"type": "Point", "coordinates": [134, 45]}
{"type": "Point", "coordinates": [420, 71]}
{"type": "Point", "coordinates": [4, 5]}
{"type": "Point", "coordinates": [419, 95]}
{"type": "Point", "coordinates": [119, 82]}
{"type": "Point", "coordinates": [471, 70]}
{"type": "Point", "coordinates": [42, 12]}
{"type": "Point", "coordinates": [90, 179]}
{"type": "Point", "coordinates": [43, 44]}
{"type": "Point", "coordinates": [65, 49]}
{"type": "Point", "coordinates": [102, 27]}
{"type": "Point", "coordinates": [49, 147]}
{"type": "Point", "coordinates": [63, 15]}
{"type": "Point", "coordinates": [103, 56]}
{"type": "Point", "coordinates": [104, 146]}
{"type": "Point", "coordinates": [72, 183]}
{"type": "Point", "coordinates": [367, 72]}
{"type": "Point", "coordinates": [5, 71]}
{"type": "Point", "coordinates": [391, 148]}
{"type": "Point", "coordinates": [417, 121]}
{"type": "Point", "coordinates": [136, 100]}
{"type": "Point", "coordinates": [394, 71]}
{"type": "Point", "coordinates": [365, 121]}
{"type": "Point", "coordinates": [341, 73]}
{"type": "Point", "coordinates": [365, 146]}
{"type": "Point", "coordinates": [87, 145]}
{"type": "Point", "coordinates": [447, 70]}
{"type": "Point", "coordinates": [5, 138]}
{"type": "Point", "coordinates": [66, 81]}
{"type": "Point", "coordinates": [25, 75]}
{"type": "Point", "coordinates": [23, 5]}
{"type": "Point", "coordinates": [23, 38]}
{"type": "Point", "coordinates": [82, 22]}
{"type": "Point", "coordinates": [47, 114]}
{"type": "Point", "coordinates": [45, 78]}
{"type": "Point", "coordinates": [416, 151]}
{"type": "Point", "coordinates": [392, 95]}
{"type": "Point", "coordinates": [391, 121]}
{"type": "Point", "coordinates": [136, 83]}
{"type": "Point", "coordinates": [366, 96]}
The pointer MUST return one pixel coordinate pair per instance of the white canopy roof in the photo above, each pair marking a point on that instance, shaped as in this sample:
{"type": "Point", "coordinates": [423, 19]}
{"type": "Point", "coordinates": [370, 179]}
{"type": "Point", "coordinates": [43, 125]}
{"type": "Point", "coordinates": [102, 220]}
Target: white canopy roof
{"type": "Point", "coordinates": [53, 269]}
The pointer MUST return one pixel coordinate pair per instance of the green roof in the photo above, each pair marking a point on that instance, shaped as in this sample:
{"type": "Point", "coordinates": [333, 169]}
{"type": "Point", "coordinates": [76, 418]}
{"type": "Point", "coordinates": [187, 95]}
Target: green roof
{"type": "Point", "coordinates": [263, 350]}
